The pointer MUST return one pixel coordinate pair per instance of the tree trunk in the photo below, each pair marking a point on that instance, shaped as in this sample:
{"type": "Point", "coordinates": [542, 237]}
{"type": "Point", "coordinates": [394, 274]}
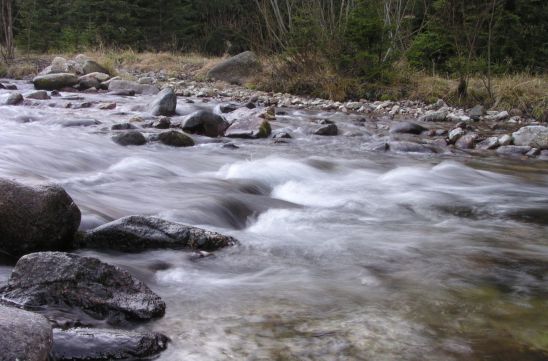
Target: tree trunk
{"type": "Point", "coordinates": [8, 47]}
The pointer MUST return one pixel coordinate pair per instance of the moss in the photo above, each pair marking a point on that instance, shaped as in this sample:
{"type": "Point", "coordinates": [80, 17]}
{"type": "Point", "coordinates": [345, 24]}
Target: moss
{"type": "Point", "coordinates": [264, 130]}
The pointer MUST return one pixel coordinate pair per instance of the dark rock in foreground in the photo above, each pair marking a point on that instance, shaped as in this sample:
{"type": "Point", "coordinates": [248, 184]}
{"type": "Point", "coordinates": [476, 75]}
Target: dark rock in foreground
{"type": "Point", "coordinates": [174, 138]}
{"type": "Point", "coordinates": [406, 128]}
{"type": "Point", "coordinates": [36, 218]}
{"type": "Point", "coordinates": [80, 284]}
{"type": "Point", "coordinates": [132, 137]}
{"type": "Point", "coordinates": [165, 103]}
{"type": "Point", "coordinates": [205, 123]}
{"type": "Point", "coordinates": [138, 233]}
{"type": "Point", "coordinates": [328, 130]}
{"type": "Point", "coordinates": [101, 344]}
{"type": "Point", "coordinates": [24, 335]}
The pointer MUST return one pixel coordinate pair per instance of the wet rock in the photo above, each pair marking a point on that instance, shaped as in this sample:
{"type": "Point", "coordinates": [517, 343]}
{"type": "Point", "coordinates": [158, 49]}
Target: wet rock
{"type": "Point", "coordinates": [505, 140]}
{"type": "Point", "coordinates": [227, 108]}
{"type": "Point", "coordinates": [377, 147]}
{"type": "Point", "coordinates": [107, 106]}
{"type": "Point", "coordinates": [477, 112]}
{"type": "Point", "coordinates": [488, 144]}
{"type": "Point", "coordinates": [455, 134]}
{"type": "Point", "coordinates": [79, 122]}
{"type": "Point", "coordinates": [534, 136]}
{"type": "Point", "coordinates": [237, 69]}
{"type": "Point", "coordinates": [230, 146]}
{"type": "Point", "coordinates": [38, 95]}
{"type": "Point", "coordinates": [161, 123]}
{"type": "Point", "coordinates": [24, 335]}
{"type": "Point", "coordinates": [122, 86]}
{"type": "Point", "coordinates": [513, 150]}
{"type": "Point", "coordinates": [122, 92]}
{"type": "Point", "coordinates": [130, 138]}
{"type": "Point", "coordinates": [410, 147]}
{"type": "Point", "coordinates": [123, 126]}
{"type": "Point", "coordinates": [407, 128]}
{"type": "Point", "coordinates": [55, 81]}
{"type": "Point", "coordinates": [282, 135]}
{"type": "Point", "coordinates": [36, 218]}
{"type": "Point", "coordinates": [104, 344]}
{"type": "Point", "coordinates": [205, 123]}
{"type": "Point", "coordinates": [174, 138]}
{"type": "Point", "coordinates": [467, 141]}
{"type": "Point", "coordinates": [250, 128]}
{"type": "Point", "coordinates": [91, 66]}
{"type": "Point", "coordinates": [533, 152]}
{"type": "Point", "coordinates": [165, 103]}
{"type": "Point", "coordinates": [11, 98]}
{"type": "Point", "coordinates": [328, 130]}
{"type": "Point", "coordinates": [10, 86]}
{"type": "Point", "coordinates": [80, 284]}
{"type": "Point", "coordinates": [437, 116]}
{"type": "Point", "coordinates": [138, 233]}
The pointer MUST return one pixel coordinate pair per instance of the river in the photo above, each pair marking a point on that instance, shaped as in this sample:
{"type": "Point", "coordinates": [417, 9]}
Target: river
{"type": "Point", "coordinates": [346, 254]}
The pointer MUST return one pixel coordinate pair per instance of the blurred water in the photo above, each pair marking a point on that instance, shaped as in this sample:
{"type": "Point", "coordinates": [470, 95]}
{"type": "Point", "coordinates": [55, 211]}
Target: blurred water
{"type": "Point", "coordinates": [345, 255]}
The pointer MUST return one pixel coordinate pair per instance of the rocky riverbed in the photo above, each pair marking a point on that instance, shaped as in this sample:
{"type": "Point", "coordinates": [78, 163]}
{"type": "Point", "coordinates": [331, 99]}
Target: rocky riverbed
{"type": "Point", "coordinates": [205, 221]}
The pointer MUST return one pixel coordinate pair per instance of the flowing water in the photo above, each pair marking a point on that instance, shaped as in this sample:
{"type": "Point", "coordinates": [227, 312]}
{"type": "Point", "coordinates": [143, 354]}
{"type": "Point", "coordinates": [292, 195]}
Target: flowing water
{"type": "Point", "coordinates": [345, 254]}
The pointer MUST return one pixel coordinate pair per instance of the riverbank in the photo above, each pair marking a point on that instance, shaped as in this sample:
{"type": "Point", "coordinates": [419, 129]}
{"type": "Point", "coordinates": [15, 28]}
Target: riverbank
{"type": "Point", "coordinates": [519, 92]}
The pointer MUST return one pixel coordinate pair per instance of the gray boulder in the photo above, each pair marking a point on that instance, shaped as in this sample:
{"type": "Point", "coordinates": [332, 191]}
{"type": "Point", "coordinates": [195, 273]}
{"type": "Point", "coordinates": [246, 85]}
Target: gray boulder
{"type": "Point", "coordinates": [11, 98]}
{"type": "Point", "coordinates": [139, 233]}
{"type": "Point", "coordinates": [406, 128]}
{"type": "Point", "coordinates": [24, 335]}
{"type": "Point", "coordinates": [38, 95]}
{"type": "Point", "coordinates": [105, 344]}
{"type": "Point", "coordinates": [91, 66]}
{"type": "Point", "coordinates": [410, 147]}
{"type": "Point", "coordinates": [131, 86]}
{"type": "Point", "coordinates": [327, 130]}
{"type": "Point", "coordinates": [467, 141]}
{"type": "Point", "coordinates": [133, 137]}
{"type": "Point", "coordinates": [237, 69]}
{"type": "Point", "coordinates": [174, 138]}
{"type": "Point", "coordinates": [76, 284]}
{"type": "Point", "coordinates": [55, 81]}
{"type": "Point", "coordinates": [250, 123]}
{"type": "Point", "coordinates": [535, 136]}
{"type": "Point", "coordinates": [488, 144]}
{"type": "Point", "coordinates": [477, 112]}
{"type": "Point", "coordinates": [36, 218]}
{"type": "Point", "coordinates": [513, 150]}
{"type": "Point", "coordinates": [164, 103]}
{"type": "Point", "coordinates": [205, 123]}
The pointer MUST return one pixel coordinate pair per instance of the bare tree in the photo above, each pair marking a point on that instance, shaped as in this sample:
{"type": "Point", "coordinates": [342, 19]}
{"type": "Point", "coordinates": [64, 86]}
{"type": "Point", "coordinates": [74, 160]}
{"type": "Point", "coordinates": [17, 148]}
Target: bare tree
{"type": "Point", "coordinates": [7, 47]}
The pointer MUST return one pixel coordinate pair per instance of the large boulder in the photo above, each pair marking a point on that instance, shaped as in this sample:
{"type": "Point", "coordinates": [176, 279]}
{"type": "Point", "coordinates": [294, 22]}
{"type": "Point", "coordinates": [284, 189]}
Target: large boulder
{"type": "Point", "coordinates": [249, 123]}
{"type": "Point", "coordinates": [36, 218]}
{"type": "Point", "coordinates": [535, 136]}
{"type": "Point", "coordinates": [91, 66]}
{"type": "Point", "coordinates": [55, 81]}
{"type": "Point", "coordinates": [131, 86]}
{"type": "Point", "coordinates": [78, 284]}
{"type": "Point", "coordinates": [237, 69]}
{"type": "Point", "coordinates": [105, 344]}
{"type": "Point", "coordinates": [206, 123]}
{"type": "Point", "coordinates": [24, 335]}
{"type": "Point", "coordinates": [139, 233]}
{"type": "Point", "coordinates": [164, 103]}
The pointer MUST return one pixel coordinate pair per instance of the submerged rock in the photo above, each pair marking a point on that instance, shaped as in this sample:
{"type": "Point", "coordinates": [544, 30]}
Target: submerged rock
{"type": "Point", "coordinates": [139, 233]}
{"type": "Point", "coordinates": [102, 344]}
{"type": "Point", "coordinates": [165, 103]}
{"type": "Point", "coordinates": [36, 218]}
{"type": "Point", "coordinates": [205, 123]}
{"type": "Point", "coordinates": [74, 283]}
{"type": "Point", "coordinates": [133, 137]}
{"type": "Point", "coordinates": [55, 81]}
{"type": "Point", "coordinates": [24, 335]}
{"type": "Point", "coordinates": [406, 128]}
{"type": "Point", "coordinates": [237, 69]}
{"type": "Point", "coordinates": [327, 130]}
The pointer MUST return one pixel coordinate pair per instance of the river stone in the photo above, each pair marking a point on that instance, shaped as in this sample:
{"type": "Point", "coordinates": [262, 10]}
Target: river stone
{"type": "Point", "coordinates": [477, 112]}
{"type": "Point", "coordinates": [535, 136]}
{"type": "Point", "coordinates": [410, 147]}
{"type": "Point", "coordinates": [38, 95]}
{"type": "Point", "coordinates": [80, 284]}
{"type": "Point", "coordinates": [250, 128]}
{"type": "Point", "coordinates": [139, 233]}
{"type": "Point", "coordinates": [455, 134]}
{"type": "Point", "coordinates": [437, 116]}
{"type": "Point", "coordinates": [327, 130]}
{"type": "Point", "coordinates": [513, 150]}
{"type": "Point", "coordinates": [406, 128]}
{"type": "Point", "coordinates": [24, 335]}
{"type": "Point", "coordinates": [488, 144]}
{"type": "Point", "coordinates": [105, 344]}
{"type": "Point", "coordinates": [91, 66]}
{"type": "Point", "coordinates": [165, 103]}
{"type": "Point", "coordinates": [237, 69]}
{"type": "Point", "coordinates": [467, 141]}
{"type": "Point", "coordinates": [123, 126]}
{"type": "Point", "coordinates": [36, 218]}
{"type": "Point", "coordinates": [174, 138]}
{"type": "Point", "coordinates": [55, 81]}
{"type": "Point", "coordinates": [88, 81]}
{"type": "Point", "coordinates": [129, 86]}
{"type": "Point", "coordinates": [133, 137]}
{"type": "Point", "coordinates": [206, 123]}
{"type": "Point", "coordinates": [11, 98]}
{"type": "Point", "coordinates": [505, 140]}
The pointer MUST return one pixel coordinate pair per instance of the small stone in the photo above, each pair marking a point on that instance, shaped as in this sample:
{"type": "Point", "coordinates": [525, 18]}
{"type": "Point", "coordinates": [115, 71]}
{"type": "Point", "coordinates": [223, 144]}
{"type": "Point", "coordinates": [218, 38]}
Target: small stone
{"type": "Point", "coordinates": [467, 141]}
{"type": "Point", "coordinates": [107, 106]}
{"type": "Point", "coordinates": [455, 134]}
{"type": "Point", "coordinates": [39, 95]}
{"type": "Point", "coordinates": [130, 138]}
{"type": "Point", "coordinates": [488, 144]}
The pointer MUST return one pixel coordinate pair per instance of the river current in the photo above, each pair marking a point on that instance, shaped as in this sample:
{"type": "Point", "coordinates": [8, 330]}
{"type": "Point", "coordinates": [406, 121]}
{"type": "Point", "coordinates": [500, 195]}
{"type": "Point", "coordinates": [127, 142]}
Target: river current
{"type": "Point", "coordinates": [346, 254]}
